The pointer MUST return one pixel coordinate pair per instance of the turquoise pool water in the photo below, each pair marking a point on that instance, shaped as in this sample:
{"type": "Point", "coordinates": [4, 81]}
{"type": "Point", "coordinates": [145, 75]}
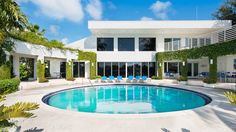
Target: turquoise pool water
{"type": "Point", "coordinates": [126, 99]}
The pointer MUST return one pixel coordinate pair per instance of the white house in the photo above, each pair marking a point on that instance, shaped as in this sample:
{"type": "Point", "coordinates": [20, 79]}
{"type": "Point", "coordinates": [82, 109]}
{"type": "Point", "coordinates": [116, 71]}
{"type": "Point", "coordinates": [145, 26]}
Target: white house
{"type": "Point", "coordinates": [129, 47]}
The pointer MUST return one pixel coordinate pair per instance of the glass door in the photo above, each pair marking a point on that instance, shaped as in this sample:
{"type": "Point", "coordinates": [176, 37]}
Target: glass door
{"type": "Point", "coordinates": [189, 69]}
{"type": "Point", "coordinates": [63, 69]}
{"type": "Point", "coordinates": [75, 69]}
{"type": "Point", "coordinates": [81, 69]}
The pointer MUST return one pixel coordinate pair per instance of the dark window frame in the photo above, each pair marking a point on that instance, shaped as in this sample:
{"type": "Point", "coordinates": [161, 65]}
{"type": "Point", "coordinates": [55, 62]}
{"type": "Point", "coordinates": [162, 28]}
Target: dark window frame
{"type": "Point", "coordinates": [118, 43]}
{"type": "Point", "coordinates": [142, 49]}
{"type": "Point", "coordinates": [112, 39]}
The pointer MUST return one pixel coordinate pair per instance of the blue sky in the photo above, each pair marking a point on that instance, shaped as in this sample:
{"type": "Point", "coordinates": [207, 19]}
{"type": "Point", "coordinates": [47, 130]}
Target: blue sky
{"type": "Point", "coordinates": [66, 20]}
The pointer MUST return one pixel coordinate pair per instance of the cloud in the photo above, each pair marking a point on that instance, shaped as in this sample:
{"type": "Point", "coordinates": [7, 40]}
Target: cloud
{"type": "Point", "coordinates": [144, 18]}
{"type": "Point", "coordinates": [54, 30]}
{"type": "Point", "coordinates": [65, 40]}
{"type": "Point", "coordinates": [161, 9]}
{"type": "Point", "coordinates": [111, 5]}
{"type": "Point", "coordinates": [95, 9]}
{"type": "Point", "coordinates": [60, 9]}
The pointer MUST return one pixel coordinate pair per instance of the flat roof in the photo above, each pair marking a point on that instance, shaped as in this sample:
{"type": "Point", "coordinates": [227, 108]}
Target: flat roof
{"type": "Point", "coordinates": [158, 24]}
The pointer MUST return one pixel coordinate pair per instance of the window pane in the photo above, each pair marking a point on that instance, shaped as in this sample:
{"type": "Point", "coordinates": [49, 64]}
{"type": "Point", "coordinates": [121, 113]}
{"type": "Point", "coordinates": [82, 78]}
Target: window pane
{"type": "Point", "coordinates": [168, 43]}
{"type": "Point", "coordinates": [107, 69]}
{"type": "Point", "coordinates": [173, 67]}
{"type": "Point", "coordinates": [208, 41]}
{"type": "Point", "coordinates": [147, 44]}
{"type": "Point", "coordinates": [122, 69]}
{"type": "Point", "coordinates": [137, 69]}
{"type": "Point", "coordinates": [125, 44]}
{"type": "Point", "coordinates": [29, 65]}
{"type": "Point", "coordinates": [176, 43]}
{"type": "Point", "coordinates": [130, 69]}
{"type": "Point", "coordinates": [75, 69]}
{"type": "Point", "coordinates": [105, 44]}
{"type": "Point", "coordinates": [81, 69]}
{"type": "Point", "coordinates": [152, 69]}
{"type": "Point", "coordinates": [144, 69]}
{"type": "Point", "coordinates": [194, 42]}
{"type": "Point", "coordinates": [202, 42]}
{"type": "Point", "coordinates": [195, 69]}
{"type": "Point", "coordinates": [165, 67]}
{"type": "Point", "coordinates": [189, 69]}
{"type": "Point", "coordinates": [100, 68]}
{"type": "Point", "coordinates": [115, 69]}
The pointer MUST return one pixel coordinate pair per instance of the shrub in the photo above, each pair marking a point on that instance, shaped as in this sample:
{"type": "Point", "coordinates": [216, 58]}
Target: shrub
{"type": "Point", "coordinates": [157, 77]}
{"type": "Point", "coordinates": [9, 85]}
{"type": "Point", "coordinates": [24, 72]}
{"type": "Point", "coordinates": [5, 72]}
{"type": "Point", "coordinates": [181, 78]}
{"type": "Point", "coordinates": [41, 72]}
{"type": "Point", "coordinates": [231, 97]}
{"type": "Point", "coordinates": [96, 77]}
{"type": "Point", "coordinates": [69, 74]}
{"type": "Point", "coordinates": [209, 80]}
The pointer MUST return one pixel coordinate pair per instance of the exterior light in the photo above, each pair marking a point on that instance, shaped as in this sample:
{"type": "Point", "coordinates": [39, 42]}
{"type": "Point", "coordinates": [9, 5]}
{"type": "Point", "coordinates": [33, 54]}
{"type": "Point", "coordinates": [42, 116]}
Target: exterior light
{"type": "Point", "coordinates": [160, 64]}
{"type": "Point", "coordinates": [183, 63]}
{"type": "Point", "coordinates": [211, 61]}
{"type": "Point", "coordinates": [92, 64]}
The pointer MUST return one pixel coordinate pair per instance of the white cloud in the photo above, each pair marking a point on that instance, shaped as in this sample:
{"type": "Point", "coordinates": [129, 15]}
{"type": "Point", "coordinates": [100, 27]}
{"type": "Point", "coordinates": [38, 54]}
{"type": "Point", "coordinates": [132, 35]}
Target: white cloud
{"type": "Point", "coordinates": [161, 9]}
{"type": "Point", "coordinates": [60, 9]}
{"type": "Point", "coordinates": [111, 6]}
{"type": "Point", "coordinates": [144, 18]}
{"type": "Point", "coordinates": [54, 29]}
{"type": "Point", "coordinates": [94, 9]}
{"type": "Point", "coordinates": [65, 40]}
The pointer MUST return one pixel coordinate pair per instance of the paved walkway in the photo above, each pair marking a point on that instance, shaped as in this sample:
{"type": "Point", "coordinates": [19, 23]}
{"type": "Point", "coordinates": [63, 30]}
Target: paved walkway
{"type": "Point", "coordinates": [218, 116]}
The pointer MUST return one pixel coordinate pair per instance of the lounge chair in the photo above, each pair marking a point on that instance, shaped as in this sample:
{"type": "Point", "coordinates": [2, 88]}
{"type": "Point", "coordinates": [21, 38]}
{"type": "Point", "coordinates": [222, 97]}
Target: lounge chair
{"type": "Point", "coordinates": [130, 79]}
{"type": "Point", "coordinates": [119, 78]}
{"type": "Point", "coordinates": [104, 79]}
{"type": "Point", "coordinates": [137, 79]}
{"type": "Point", "coordinates": [111, 79]}
{"type": "Point", "coordinates": [143, 79]}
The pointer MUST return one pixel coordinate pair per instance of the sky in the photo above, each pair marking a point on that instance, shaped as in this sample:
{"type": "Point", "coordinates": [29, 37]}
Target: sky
{"type": "Point", "coordinates": [67, 20]}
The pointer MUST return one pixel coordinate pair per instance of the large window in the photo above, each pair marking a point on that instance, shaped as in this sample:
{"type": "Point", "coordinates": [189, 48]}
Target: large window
{"type": "Point", "coordinates": [147, 44]}
{"type": "Point", "coordinates": [144, 69]}
{"type": "Point", "coordinates": [194, 42]}
{"type": "Point", "coordinates": [125, 44]}
{"type": "Point", "coordinates": [152, 69]}
{"type": "Point", "coordinates": [122, 68]}
{"type": "Point", "coordinates": [137, 69]}
{"type": "Point", "coordinates": [176, 43]}
{"type": "Point", "coordinates": [107, 69]}
{"type": "Point", "coordinates": [171, 44]}
{"type": "Point", "coordinates": [105, 44]}
{"type": "Point", "coordinates": [115, 69]}
{"type": "Point", "coordinates": [130, 69]}
{"type": "Point", "coordinates": [100, 68]}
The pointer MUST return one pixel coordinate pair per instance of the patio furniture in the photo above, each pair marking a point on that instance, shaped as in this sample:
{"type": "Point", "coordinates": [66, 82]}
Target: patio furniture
{"type": "Point", "coordinates": [136, 79]}
{"type": "Point", "coordinates": [143, 79]}
{"type": "Point", "coordinates": [130, 79]}
{"type": "Point", "coordinates": [234, 77]}
{"type": "Point", "coordinates": [104, 79]}
{"type": "Point", "coordinates": [111, 79]}
{"type": "Point", "coordinates": [119, 79]}
{"type": "Point", "coordinates": [228, 77]}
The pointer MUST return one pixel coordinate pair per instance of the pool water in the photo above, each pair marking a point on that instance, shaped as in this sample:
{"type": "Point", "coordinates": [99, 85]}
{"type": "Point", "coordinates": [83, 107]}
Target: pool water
{"type": "Point", "coordinates": [126, 99]}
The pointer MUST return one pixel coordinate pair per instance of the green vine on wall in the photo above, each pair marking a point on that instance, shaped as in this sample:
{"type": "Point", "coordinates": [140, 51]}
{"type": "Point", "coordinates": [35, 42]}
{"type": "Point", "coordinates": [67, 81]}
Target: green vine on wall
{"type": "Point", "coordinates": [41, 72]}
{"type": "Point", "coordinates": [69, 71]}
{"type": "Point", "coordinates": [210, 51]}
{"type": "Point", "coordinates": [92, 57]}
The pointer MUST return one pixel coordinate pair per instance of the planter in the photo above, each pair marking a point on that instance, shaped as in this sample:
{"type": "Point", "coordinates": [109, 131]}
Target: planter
{"type": "Point", "coordinates": [182, 82]}
{"type": "Point", "coordinates": [206, 85]}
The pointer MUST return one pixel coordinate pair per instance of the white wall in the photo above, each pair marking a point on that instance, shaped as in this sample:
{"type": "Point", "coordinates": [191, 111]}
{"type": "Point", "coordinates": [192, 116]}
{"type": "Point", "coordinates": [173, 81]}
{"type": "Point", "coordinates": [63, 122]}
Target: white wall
{"type": "Point", "coordinates": [226, 63]}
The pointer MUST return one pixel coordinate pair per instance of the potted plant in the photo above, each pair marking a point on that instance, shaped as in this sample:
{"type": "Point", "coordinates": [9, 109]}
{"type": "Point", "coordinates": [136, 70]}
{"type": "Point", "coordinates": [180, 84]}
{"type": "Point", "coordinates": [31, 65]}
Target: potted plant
{"type": "Point", "coordinates": [209, 83]}
{"type": "Point", "coordinates": [182, 80]}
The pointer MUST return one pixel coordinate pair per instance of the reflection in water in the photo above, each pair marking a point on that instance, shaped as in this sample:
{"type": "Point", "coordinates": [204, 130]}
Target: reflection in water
{"type": "Point", "coordinates": [126, 99]}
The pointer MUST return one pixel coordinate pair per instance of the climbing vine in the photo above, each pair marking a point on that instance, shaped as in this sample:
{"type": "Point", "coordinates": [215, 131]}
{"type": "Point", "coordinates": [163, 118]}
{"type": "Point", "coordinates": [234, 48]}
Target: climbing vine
{"type": "Point", "coordinates": [210, 51]}
{"type": "Point", "coordinates": [69, 74]}
{"type": "Point", "coordinates": [41, 72]}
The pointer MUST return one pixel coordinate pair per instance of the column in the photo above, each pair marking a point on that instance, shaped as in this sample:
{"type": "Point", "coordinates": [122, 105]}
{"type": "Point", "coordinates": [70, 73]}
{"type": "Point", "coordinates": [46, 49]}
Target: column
{"type": "Point", "coordinates": [16, 65]}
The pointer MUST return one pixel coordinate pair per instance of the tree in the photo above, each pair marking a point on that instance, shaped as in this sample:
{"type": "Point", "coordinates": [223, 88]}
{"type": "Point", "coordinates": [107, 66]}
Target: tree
{"type": "Point", "coordinates": [227, 11]}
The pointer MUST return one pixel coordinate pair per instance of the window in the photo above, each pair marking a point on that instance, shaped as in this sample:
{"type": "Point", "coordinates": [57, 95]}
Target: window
{"type": "Point", "coordinates": [115, 69]}
{"type": "Point", "coordinates": [107, 69]}
{"type": "Point", "coordinates": [130, 69]}
{"type": "Point", "coordinates": [101, 68]}
{"type": "Point", "coordinates": [152, 69]}
{"type": "Point", "coordinates": [122, 69]}
{"type": "Point", "coordinates": [147, 44]}
{"type": "Point", "coordinates": [173, 67]}
{"type": "Point", "coordinates": [75, 69]}
{"type": "Point", "coordinates": [168, 45]}
{"type": "Point", "coordinates": [28, 64]}
{"type": "Point", "coordinates": [194, 42]}
{"type": "Point", "coordinates": [144, 69]}
{"type": "Point", "coordinates": [208, 41]}
{"type": "Point", "coordinates": [105, 44]}
{"type": "Point", "coordinates": [137, 69]}
{"type": "Point", "coordinates": [202, 42]}
{"type": "Point", "coordinates": [234, 63]}
{"type": "Point", "coordinates": [176, 43]}
{"type": "Point", "coordinates": [125, 44]}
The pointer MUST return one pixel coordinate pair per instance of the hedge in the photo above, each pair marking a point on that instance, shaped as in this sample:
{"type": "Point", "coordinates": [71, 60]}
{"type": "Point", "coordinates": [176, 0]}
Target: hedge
{"type": "Point", "coordinates": [92, 57]}
{"type": "Point", "coordinates": [69, 71]}
{"type": "Point", "coordinates": [9, 85]}
{"type": "Point", "coordinates": [41, 72]}
{"type": "Point", "coordinates": [210, 51]}
{"type": "Point", "coordinates": [5, 72]}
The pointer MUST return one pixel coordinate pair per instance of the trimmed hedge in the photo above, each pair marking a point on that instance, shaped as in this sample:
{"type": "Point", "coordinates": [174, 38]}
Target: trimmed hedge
{"type": "Point", "coordinates": [5, 72]}
{"type": "Point", "coordinates": [41, 72]}
{"type": "Point", "coordinates": [92, 57]}
{"type": "Point", "coordinates": [210, 51]}
{"type": "Point", "coordinates": [69, 71]}
{"type": "Point", "coordinates": [9, 85]}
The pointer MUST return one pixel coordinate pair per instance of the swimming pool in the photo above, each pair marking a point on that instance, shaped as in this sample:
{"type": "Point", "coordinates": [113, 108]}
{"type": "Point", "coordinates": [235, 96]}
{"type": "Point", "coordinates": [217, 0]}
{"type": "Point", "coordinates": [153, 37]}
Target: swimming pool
{"type": "Point", "coordinates": [126, 99]}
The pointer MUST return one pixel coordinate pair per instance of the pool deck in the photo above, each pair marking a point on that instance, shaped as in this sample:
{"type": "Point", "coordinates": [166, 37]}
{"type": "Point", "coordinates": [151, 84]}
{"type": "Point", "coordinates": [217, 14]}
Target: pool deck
{"type": "Point", "coordinates": [218, 116]}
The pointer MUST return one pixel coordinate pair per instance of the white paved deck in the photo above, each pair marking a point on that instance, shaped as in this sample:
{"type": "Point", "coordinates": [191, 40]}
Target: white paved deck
{"type": "Point", "coordinates": [218, 116]}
